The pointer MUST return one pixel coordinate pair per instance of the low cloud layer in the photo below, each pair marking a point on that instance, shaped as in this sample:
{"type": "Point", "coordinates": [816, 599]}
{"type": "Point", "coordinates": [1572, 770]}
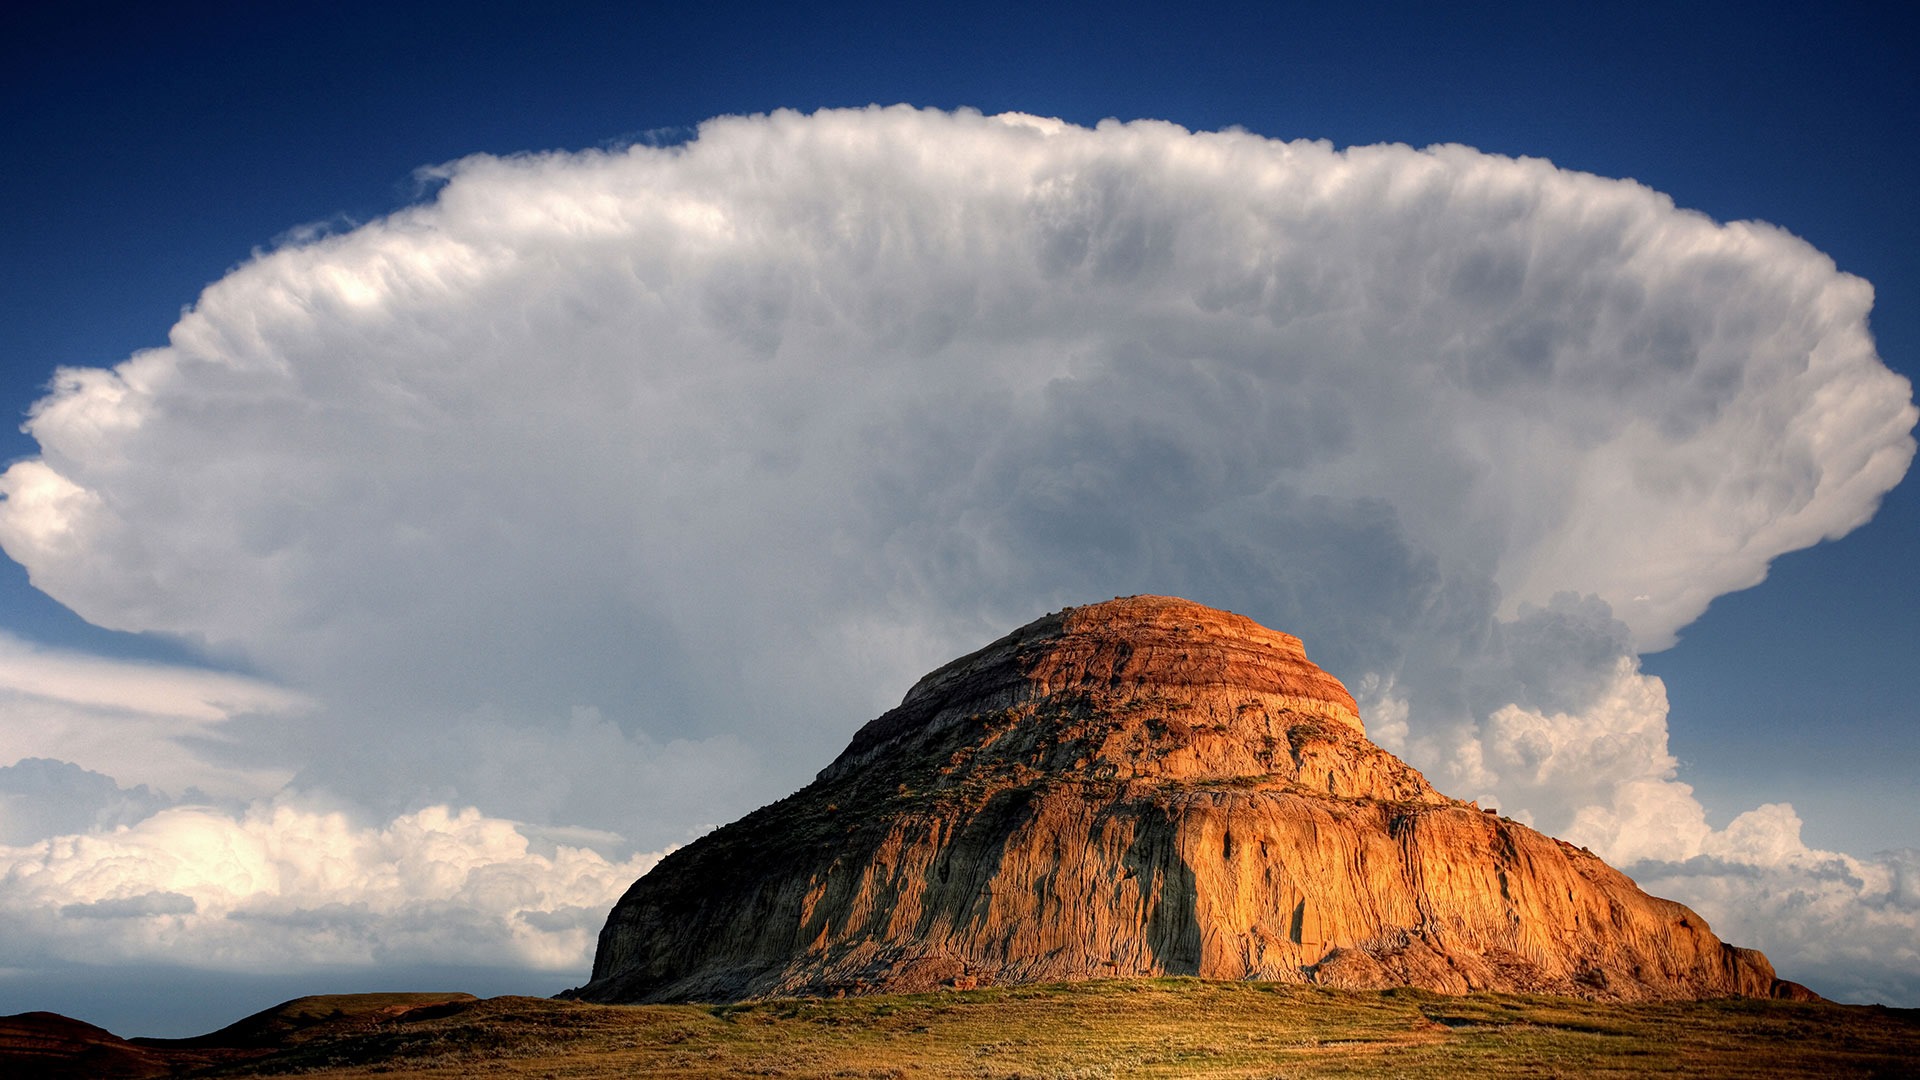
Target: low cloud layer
{"type": "Point", "coordinates": [615, 489]}
{"type": "Point", "coordinates": [279, 887]}
{"type": "Point", "coordinates": [170, 727]}
{"type": "Point", "coordinates": [1848, 926]}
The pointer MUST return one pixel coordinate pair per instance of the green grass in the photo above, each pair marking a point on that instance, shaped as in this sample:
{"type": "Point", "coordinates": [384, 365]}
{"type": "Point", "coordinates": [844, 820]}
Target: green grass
{"type": "Point", "coordinates": [1147, 1028]}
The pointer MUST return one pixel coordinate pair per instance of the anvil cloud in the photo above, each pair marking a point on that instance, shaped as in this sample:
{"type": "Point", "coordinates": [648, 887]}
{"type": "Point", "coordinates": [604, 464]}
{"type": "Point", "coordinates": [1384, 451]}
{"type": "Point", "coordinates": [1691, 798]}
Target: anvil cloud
{"type": "Point", "coordinates": [613, 489]}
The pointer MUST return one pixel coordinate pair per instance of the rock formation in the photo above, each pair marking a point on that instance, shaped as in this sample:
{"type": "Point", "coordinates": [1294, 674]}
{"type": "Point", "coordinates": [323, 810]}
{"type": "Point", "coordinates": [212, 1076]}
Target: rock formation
{"type": "Point", "coordinates": [1141, 787]}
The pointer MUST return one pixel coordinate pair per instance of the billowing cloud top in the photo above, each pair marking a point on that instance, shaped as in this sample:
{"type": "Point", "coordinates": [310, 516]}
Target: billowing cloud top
{"type": "Point", "coordinates": [957, 342]}
{"type": "Point", "coordinates": [602, 481]}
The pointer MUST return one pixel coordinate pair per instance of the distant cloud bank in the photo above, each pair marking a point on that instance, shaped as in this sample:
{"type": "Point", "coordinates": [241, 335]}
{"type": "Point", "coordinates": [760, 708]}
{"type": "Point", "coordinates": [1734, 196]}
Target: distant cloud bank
{"type": "Point", "coordinates": [614, 489]}
{"type": "Point", "coordinates": [280, 888]}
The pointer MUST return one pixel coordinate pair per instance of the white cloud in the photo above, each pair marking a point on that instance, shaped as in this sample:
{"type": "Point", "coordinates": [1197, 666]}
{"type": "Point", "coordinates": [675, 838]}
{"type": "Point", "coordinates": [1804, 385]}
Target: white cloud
{"type": "Point", "coordinates": [888, 354]}
{"type": "Point", "coordinates": [1848, 926]}
{"type": "Point", "coordinates": [143, 723]}
{"type": "Point", "coordinates": [41, 797]}
{"type": "Point", "coordinates": [281, 886]}
{"type": "Point", "coordinates": [159, 689]}
{"type": "Point", "coordinates": [616, 489]}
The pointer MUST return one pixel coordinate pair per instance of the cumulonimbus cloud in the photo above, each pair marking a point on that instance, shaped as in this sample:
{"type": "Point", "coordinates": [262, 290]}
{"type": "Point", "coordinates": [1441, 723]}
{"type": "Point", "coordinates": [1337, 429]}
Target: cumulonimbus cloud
{"type": "Point", "coordinates": [720, 445]}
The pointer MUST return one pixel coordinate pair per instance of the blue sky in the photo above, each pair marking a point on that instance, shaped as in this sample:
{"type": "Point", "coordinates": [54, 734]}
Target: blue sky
{"type": "Point", "coordinates": [154, 151]}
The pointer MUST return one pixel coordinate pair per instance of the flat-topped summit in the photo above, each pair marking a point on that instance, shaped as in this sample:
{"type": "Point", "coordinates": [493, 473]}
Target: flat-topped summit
{"type": "Point", "coordinates": [1226, 678]}
{"type": "Point", "coordinates": [1146, 786]}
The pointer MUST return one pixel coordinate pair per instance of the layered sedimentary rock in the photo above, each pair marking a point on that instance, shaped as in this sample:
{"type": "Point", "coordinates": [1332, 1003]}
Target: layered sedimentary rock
{"type": "Point", "coordinates": [1141, 787]}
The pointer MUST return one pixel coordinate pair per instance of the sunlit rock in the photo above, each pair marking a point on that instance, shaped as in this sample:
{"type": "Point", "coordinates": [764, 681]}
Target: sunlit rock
{"type": "Point", "coordinates": [1146, 786]}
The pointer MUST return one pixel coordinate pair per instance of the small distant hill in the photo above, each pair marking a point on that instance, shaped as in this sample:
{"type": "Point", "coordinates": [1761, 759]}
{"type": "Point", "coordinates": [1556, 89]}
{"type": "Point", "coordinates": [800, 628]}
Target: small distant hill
{"type": "Point", "coordinates": [47, 1045]}
{"type": "Point", "coordinates": [293, 1022]}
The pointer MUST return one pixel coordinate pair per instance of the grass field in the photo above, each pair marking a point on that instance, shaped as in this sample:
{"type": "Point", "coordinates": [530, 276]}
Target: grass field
{"type": "Point", "coordinates": [1156, 1028]}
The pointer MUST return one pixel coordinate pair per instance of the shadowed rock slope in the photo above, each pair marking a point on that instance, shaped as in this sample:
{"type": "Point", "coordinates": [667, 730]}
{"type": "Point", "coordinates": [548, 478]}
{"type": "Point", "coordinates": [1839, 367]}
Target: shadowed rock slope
{"type": "Point", "coordinates": [1141, 787]}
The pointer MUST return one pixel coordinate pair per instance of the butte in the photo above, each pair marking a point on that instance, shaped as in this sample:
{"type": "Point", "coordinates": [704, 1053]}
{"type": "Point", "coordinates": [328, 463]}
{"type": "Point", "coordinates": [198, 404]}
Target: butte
{"type": "Point", "coordinates": [1135, 788]}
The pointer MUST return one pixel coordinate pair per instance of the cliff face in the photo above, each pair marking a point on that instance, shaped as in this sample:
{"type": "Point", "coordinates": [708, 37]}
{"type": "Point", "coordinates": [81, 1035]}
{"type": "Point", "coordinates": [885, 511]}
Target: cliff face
{"type": "Point", "coordinates": [1141, 787]}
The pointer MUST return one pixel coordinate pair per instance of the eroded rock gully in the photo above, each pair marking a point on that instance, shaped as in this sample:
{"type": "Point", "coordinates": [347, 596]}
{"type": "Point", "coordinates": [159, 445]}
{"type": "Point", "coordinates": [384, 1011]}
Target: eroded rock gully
{"type": "Point", "coordinates": [1146, 786]}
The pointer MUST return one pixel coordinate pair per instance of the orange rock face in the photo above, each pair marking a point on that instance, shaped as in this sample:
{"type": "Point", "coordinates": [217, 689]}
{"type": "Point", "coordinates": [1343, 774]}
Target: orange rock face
{"type": "Point", "coordinates": [1141, 787]}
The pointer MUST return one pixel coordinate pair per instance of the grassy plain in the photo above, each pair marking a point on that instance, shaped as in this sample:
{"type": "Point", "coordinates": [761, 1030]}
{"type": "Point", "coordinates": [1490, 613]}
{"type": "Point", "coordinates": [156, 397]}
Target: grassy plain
{"type": "Point", "coordinates": [1153, 1028]}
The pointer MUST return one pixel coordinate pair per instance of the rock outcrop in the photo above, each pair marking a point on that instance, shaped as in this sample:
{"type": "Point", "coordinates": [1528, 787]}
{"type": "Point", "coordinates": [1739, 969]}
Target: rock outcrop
{"type": "Point", "coordinates": [1141, 787]}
